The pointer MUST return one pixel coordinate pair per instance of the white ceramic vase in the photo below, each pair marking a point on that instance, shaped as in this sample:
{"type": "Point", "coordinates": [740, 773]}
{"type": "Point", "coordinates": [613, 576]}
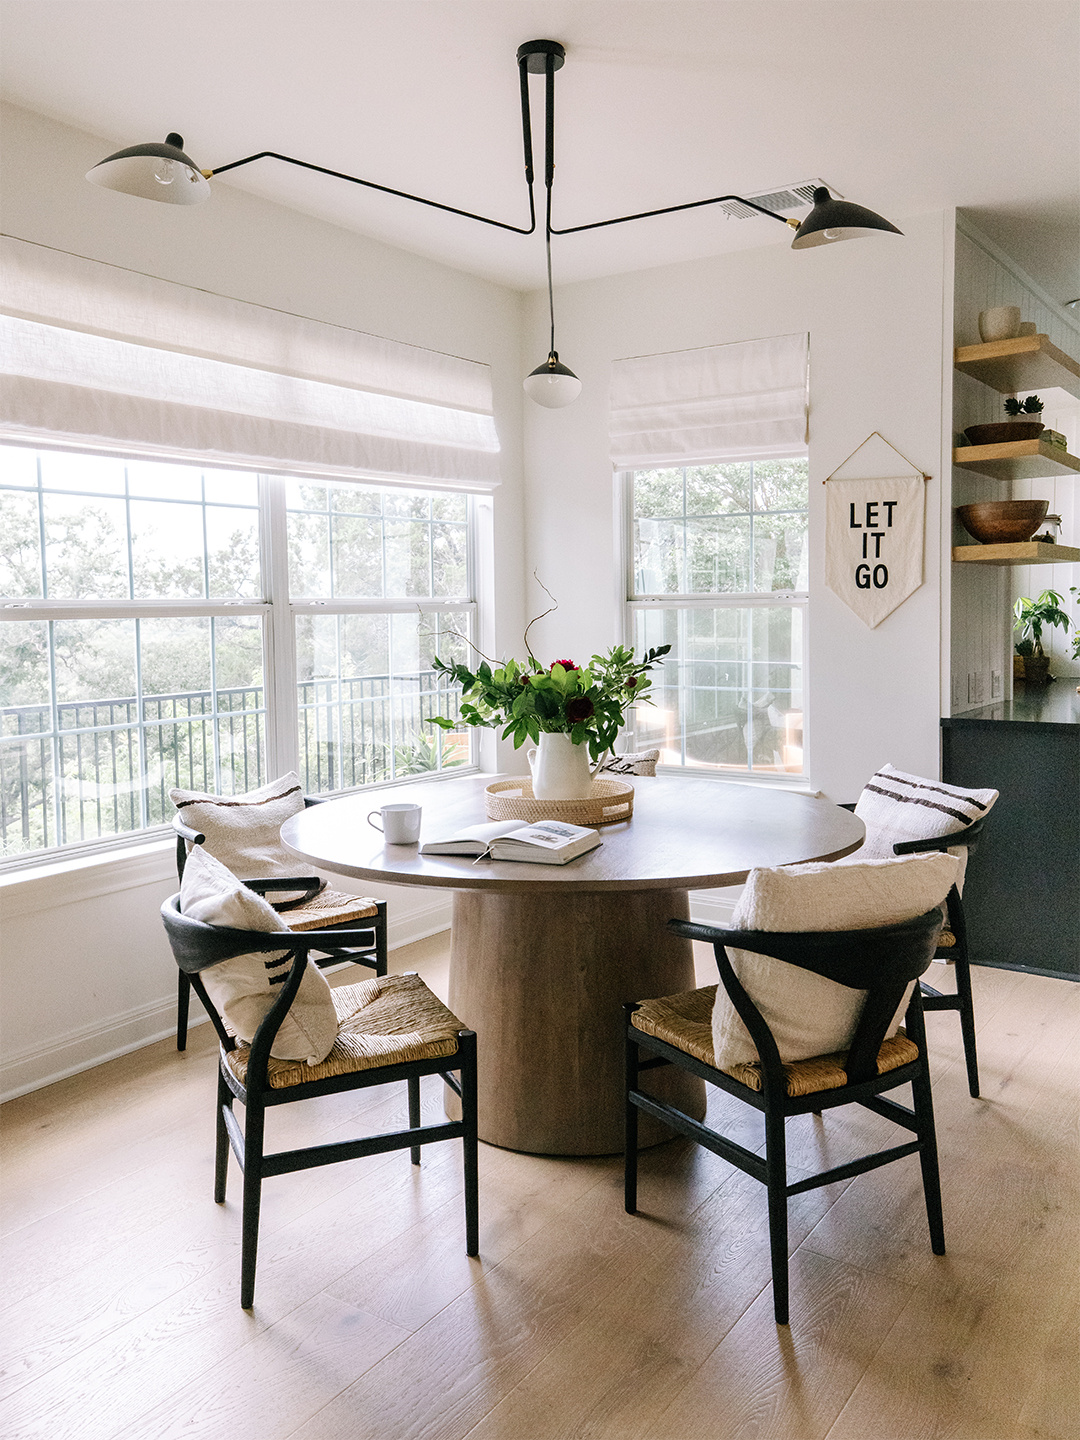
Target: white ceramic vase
{"type": "Point", "coordinates": [1002, 322]}
{"type": "Point", "coordinates": [560, 769]}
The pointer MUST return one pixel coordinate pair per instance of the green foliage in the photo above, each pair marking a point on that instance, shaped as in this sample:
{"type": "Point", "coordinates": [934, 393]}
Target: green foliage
{"type": "Point", "coordinates": [1032, 406]}
{"type": "Point", "coordinates": [421, 755]}
{"type": "Point", "coordinates": [525, 700]}
{"type": "Point", "coordinates": [1032, 615]}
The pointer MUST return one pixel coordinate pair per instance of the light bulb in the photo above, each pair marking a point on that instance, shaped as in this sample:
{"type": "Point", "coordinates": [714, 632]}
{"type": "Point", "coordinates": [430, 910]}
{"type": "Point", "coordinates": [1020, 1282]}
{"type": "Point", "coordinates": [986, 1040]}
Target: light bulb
{"type": "Point", "coordinates": [552, 385]}
{"type": "Point", "coordinates": [833, 234]}
{"type": "Point", "coordinates": [165, 172]}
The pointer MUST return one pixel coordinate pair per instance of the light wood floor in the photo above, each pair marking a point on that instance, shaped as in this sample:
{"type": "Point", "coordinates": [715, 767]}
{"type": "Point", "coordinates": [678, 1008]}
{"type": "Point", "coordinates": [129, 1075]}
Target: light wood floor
{"type": "Point", "coordinates": [577, 1322]}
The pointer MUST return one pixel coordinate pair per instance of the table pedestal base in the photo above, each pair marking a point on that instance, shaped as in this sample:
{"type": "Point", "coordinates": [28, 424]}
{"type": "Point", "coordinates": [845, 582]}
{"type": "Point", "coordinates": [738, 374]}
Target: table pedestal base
{"type": "Point", "coordinates": [541, 979]}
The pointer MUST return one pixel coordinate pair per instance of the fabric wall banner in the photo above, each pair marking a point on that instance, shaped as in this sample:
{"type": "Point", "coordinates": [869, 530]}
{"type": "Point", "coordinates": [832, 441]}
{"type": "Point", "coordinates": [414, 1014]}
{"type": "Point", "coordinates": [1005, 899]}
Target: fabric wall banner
{"type": "Point", "coordinates": [874, 542]}
{"type": "Point", "coordinates": [722, 402]}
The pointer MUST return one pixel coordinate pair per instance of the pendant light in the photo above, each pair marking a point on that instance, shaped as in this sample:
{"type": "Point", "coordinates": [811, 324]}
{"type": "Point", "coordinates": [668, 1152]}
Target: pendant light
{"type": "Point", "coordinates": [153, 172]}
{"type": "Point", "coordinates": [552, 384]}
{"type": "Point", "coordinates": [831, 220]}
{"type": "Point", "coordinates": [165, 173]}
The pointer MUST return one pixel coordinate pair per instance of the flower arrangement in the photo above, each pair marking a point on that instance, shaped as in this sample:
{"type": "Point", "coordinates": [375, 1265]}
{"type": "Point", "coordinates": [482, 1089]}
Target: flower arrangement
{"type": "Point", "coordinates": [588, 703]}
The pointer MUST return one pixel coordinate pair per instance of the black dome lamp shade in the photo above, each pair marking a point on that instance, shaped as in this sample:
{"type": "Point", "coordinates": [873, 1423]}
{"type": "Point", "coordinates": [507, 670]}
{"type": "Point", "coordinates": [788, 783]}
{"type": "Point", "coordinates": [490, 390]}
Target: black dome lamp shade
{"type": "Point", "coordinates": [831, 220]}
{"type": "Point", "coordinates": [153, 172]}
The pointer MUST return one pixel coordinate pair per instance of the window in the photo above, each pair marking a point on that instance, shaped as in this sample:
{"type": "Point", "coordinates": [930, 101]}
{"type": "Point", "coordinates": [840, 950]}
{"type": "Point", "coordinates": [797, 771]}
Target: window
{"type": "Point", "coordinates": [139, 628]}
{"type": "Point", "coordinates": [719, 572]}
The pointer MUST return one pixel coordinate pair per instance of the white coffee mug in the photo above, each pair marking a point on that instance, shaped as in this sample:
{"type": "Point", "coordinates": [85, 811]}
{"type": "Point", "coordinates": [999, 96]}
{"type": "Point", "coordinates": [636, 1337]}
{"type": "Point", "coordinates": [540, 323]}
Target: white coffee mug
{"type": "Point", "coordinates": [400, 823]}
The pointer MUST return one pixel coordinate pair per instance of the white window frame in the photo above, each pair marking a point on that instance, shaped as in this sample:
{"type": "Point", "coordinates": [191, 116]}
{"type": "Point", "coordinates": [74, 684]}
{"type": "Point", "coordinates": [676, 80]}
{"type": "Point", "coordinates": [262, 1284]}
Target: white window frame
{"type": "Point", "coordinates": [629, 604]}
{"type": "Point", "coordinates": [278, 611]}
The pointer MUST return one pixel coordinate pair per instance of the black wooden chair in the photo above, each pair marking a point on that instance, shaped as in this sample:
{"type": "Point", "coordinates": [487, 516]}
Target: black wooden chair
{"type": "Point", "coordinates": [677, 1030]}
{"type": "Point", "coordinates": [319, 908]}
{"type": "Point", "coordinates": [952, 945]}
{"type": "Point", "coordinates": [401, 1031]}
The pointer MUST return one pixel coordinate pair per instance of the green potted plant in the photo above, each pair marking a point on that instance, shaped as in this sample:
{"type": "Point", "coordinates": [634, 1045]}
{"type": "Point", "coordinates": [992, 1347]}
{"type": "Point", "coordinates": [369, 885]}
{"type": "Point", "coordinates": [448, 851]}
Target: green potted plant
{"type": "Point", "coordinates": [1029, 409]}
{"type": "Point", "coordinates": [1024, 422]}
{"type": "Point", "coordinates": [570, 712]}
{"type": "Point", "coordinates": [1030, 617]}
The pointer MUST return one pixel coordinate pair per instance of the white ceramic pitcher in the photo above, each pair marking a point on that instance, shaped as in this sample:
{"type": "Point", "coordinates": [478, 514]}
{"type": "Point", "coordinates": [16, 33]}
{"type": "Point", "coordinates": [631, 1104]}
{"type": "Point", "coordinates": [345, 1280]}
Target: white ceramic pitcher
{"type": "Point", "coordinates": [560, 769]}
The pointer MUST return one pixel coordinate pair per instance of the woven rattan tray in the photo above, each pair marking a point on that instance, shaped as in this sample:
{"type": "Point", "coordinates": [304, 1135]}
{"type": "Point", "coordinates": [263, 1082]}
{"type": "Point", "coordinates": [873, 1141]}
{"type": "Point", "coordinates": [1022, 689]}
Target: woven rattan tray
{"type": "Point", "coordinates": [610, 802]}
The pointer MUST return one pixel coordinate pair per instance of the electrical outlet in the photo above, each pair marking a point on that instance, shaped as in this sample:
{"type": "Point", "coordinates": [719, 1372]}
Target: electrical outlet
{"type": "Point", "coordinates": [997, 684]}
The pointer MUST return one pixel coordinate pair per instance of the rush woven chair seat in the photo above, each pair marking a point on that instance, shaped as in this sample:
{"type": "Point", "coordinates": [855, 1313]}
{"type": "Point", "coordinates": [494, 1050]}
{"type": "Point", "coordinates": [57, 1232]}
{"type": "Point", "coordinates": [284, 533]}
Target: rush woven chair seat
{"type": "Point", "coordinates": [911, 815]}
{"type": "Point", "coordinates": [383, 1030]}
{"type": "Point", "coordinates": [258, 854]}
{"type": "Point", "coordinates": [873, 970]}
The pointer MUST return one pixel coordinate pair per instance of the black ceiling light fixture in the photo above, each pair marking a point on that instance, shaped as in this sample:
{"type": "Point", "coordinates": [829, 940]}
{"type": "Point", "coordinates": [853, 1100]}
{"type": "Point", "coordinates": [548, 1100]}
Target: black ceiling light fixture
{"type": "Point", "coordinates": [163, 172]}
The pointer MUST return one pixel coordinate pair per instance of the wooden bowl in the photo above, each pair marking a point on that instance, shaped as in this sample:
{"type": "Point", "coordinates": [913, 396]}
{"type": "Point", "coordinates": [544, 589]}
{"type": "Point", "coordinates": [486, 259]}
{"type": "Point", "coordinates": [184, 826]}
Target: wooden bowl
{"type": "Point", "coordinates": [1003, 522]}
{"type": "Point", "coordinates": [1004, 431]}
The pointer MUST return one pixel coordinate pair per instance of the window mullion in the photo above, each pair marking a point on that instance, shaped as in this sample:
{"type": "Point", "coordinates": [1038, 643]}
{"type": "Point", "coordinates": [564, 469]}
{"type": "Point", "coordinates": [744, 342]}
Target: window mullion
{"type": "Point", "coordinates": [279, 638]}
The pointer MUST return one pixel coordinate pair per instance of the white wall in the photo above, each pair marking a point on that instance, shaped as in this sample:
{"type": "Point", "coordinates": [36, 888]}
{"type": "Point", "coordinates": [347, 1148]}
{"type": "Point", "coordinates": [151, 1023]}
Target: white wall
{"type": "Point", "coordinates": [874, 310]}
{"type": "Point", "coordinates": [84, 966]}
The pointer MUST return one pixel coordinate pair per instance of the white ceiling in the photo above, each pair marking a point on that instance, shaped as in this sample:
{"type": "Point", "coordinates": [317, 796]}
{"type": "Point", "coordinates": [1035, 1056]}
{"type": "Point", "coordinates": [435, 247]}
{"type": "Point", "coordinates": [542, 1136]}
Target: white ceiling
{"type": "Point", "coordinates": [904, 106]}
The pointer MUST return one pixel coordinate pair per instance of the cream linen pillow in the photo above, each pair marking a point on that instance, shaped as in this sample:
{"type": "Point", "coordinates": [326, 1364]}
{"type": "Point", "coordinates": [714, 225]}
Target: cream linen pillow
{"type": "Point", "coordinates": [244, 988]}
{"type": "Point", "coordinates": [807, 1014]}
{"type": "Point", "coordinates": [895, 806]}
{"type": "Point", "coordinates": [243, 831]}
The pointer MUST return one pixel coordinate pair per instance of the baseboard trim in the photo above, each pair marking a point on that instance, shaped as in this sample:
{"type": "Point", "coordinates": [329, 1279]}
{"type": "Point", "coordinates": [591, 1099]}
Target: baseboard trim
{"type": "Point", "coordinates": [87, 1046]}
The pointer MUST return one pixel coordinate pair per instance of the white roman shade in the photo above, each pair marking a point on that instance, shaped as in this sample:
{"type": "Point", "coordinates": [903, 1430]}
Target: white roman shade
{"type": "Point", "coordinates": [722, 402]}
{"type": "Point", "coordinates": [103, 358]}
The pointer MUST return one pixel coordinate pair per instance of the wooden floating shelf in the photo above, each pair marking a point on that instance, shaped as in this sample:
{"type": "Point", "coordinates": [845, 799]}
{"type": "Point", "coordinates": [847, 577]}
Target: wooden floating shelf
{"type": "Point", "coordinates": [1017, 460]}
{"type": "Point", "coordinates": [1024, 552]}
{"type": "Point", "coordinates": [1029, 362]}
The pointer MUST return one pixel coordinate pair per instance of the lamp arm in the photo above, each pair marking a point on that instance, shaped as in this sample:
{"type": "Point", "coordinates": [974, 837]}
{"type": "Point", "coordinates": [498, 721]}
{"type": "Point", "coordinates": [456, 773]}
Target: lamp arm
{"type": "Point", "coordinates": [670, 210]}
{"type": "Point", "coordinates": [386, 189]}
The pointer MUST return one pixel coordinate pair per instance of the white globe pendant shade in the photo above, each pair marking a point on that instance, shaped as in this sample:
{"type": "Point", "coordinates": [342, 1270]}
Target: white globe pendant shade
{"type": "Point", "coordinates": [551, 384]}
{"type": "Point", "coordinates": [153, 172]}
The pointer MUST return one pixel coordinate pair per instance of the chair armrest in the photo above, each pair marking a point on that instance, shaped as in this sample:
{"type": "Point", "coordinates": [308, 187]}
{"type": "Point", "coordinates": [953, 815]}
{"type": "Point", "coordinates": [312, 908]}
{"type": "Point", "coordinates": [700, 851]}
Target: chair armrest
{"type": "Point", "coordinates": [964, 838]}
{"type": "Point", "coordinates": [186, 832]}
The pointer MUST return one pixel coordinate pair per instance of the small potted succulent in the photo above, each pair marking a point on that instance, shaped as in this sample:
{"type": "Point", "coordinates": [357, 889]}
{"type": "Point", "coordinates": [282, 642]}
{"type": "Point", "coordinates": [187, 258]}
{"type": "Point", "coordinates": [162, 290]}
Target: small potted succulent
{"type": "Point", "coordinates": [1030, 617]}
{"type": "Point", "coordinates": [1023, 423]}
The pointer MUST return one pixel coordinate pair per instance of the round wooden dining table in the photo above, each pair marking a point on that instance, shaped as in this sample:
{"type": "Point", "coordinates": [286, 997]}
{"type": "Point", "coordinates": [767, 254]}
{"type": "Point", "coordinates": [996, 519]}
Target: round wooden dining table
{"type": "Point", "coordinates": [542, 956]}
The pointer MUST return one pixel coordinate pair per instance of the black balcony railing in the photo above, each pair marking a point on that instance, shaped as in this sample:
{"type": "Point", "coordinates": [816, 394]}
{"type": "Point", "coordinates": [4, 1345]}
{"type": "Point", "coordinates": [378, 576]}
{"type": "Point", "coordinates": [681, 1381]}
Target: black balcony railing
{"type": "Point", "coordinates": [108, 765]}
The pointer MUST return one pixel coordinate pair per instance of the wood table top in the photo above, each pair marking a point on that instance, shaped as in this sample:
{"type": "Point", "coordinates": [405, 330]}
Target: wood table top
{"type": "Point", "coordinates": [685, 834]}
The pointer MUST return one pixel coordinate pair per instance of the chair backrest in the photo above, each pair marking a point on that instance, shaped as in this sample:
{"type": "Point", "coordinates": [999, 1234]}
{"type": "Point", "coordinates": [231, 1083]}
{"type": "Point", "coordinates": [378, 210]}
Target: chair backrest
{"type": "Point", "coordinates": [882, 961]}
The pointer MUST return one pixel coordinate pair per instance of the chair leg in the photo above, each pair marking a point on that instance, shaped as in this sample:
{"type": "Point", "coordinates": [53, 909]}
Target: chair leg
{"type": "Point", "coordinates": [253, 1154]}
{"type": "Point", "coordinates": [962, 971]}
{"type": "Point", "coordinates": [467, 1080]}
{"type": "Point", "coordinates": [183, 1000]}
{"type": "Point", "coordinates": [414, 1113]}
{"type": "Point", "coordinates": [776, 1183]}
{"type": "Point", "coordinates": [630, 1148]}
{"type": "Point", "coordinates": [221, 1150]}
{"type": "Point", "coordinates": [923, 1106]}
{"type": "Point", "coordinates": [381, 954]}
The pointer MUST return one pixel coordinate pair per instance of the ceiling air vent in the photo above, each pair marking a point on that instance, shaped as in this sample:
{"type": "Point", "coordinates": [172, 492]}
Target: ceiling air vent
{"type": "Point", "coordinates": [782, 200]}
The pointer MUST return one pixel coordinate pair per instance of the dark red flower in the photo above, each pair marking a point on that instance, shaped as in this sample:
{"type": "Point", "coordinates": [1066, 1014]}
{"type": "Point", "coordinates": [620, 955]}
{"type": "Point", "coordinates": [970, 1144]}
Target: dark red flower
{"type": "Point", "coordinates": [579, 708]}
{"type": "Point", "coordinates": [566, 664]}
{"type": "Point", "coordinates": [631, 682]}
{"type": "Point", "coordinates": [523, 679]}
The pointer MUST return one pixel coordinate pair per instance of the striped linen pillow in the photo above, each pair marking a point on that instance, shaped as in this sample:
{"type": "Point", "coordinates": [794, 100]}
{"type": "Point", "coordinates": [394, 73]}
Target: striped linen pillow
{"type": "Point", "coordinates": [244, 987]}
{"type": "Point", "coordinates": [895, 806]}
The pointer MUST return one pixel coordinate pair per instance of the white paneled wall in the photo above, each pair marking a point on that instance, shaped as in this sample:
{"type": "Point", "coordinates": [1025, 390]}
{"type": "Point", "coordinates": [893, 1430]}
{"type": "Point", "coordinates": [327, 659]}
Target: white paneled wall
{"type": "Point", "coordinates": [982, 596]}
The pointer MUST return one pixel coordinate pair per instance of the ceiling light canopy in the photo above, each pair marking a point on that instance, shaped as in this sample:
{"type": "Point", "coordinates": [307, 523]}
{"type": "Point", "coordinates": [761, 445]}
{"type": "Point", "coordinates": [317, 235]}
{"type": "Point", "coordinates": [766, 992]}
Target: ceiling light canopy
{"type": "Point", "coordinates": [153, 172]}
{"type": "Point", "coordinates": [165, 173]}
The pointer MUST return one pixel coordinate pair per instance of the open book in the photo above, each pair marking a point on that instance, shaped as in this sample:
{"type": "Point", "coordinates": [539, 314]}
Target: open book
{"type": "Point", "coordinates": [547, 842]}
